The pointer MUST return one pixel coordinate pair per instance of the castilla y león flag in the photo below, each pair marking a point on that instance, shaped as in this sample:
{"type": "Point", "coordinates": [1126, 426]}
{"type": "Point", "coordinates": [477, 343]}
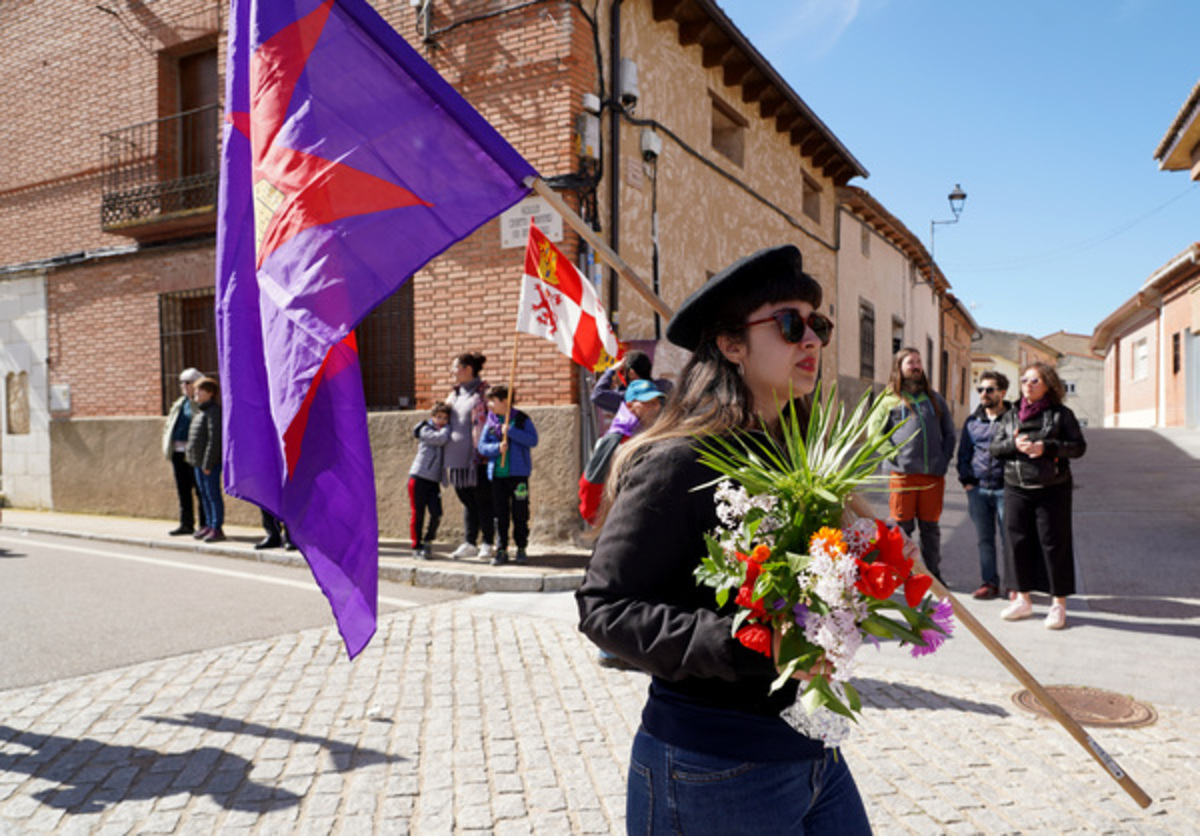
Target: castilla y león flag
{"type": "Point", "coordinates": [558, 303]}
{"type": "Point", "coordinates": [347, 164]}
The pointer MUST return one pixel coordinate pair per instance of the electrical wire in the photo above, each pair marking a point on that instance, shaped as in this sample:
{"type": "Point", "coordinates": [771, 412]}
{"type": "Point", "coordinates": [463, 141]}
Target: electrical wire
{"type": "Point", "coordinates": [1078, 247]}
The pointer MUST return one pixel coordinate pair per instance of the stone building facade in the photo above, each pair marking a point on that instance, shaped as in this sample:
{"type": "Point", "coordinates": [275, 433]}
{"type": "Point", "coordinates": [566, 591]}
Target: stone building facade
{"type": "Point", "coordinates": [107, 213]}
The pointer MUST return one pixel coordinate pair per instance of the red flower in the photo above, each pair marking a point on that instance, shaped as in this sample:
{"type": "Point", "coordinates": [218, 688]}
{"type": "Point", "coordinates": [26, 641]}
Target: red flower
{"type": "Point", "coordinates": [877, 580]}
{"type": "Point", "coordinates": [753, 570]}
{"type": "Point", "coordinates": [760, 554]}
{"type": "Point", "coordinates": [889, 545]}
{"type": "Point", "coordinates": [756, 637]}
{"type": "Point", "coordinates": [745, 598]}
{"type": "Point", "coordinates": [915, 588]}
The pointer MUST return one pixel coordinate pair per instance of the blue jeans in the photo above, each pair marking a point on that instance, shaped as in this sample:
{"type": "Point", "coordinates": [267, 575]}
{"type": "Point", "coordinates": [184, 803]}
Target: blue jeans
{"type": "Point", "coordinates": [986, 507]}
{"type": "Point", "coordinates": [673, 790]}
{"type": "Point", "coordinates": [211, 497]}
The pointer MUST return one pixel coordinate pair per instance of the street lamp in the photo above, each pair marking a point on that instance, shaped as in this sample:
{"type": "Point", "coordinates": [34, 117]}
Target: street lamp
{"type": "Point", "coordinates": [957, 198]}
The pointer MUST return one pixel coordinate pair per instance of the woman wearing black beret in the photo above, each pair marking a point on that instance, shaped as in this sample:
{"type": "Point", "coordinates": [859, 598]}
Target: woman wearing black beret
{"type": "Point", "coordinates": [713, 754]}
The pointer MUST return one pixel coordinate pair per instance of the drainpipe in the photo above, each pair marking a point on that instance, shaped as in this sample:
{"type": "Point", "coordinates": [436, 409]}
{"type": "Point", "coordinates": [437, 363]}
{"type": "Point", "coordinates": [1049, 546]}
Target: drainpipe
{"type": "Point", "coordinates": [614, 156]}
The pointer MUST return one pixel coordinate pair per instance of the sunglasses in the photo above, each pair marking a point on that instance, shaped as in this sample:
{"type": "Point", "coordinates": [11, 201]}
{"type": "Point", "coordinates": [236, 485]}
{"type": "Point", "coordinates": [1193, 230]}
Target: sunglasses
{"type": "Point", "coordinates": [1031, 381]}
{"type": "Point", "coordinates": [985, 390]}
{"type": "Point", "coordinates": [792, 326]}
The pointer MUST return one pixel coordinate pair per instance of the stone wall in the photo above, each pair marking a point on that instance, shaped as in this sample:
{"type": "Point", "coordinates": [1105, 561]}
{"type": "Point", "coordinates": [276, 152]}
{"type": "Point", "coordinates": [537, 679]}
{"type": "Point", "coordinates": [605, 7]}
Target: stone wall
{"type": "Point", "coordinates": [115, 466]}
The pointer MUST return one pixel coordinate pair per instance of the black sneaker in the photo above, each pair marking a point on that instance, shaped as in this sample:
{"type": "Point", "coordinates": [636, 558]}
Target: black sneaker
{"type": "Point", "coordinates": [500, 558]}
{"type": "Point", "coordinates": [522, 557]}
{"type": "Point", "coordinates": [421, 553]}
{"type": "Point", "coordinates": [183, 529]}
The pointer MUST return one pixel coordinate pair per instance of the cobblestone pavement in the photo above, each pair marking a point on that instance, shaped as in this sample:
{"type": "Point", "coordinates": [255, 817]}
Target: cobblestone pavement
{"type": "Point", "coordinates": [467, 718]}
{"type": "Point", "coordinates": [489, 714]}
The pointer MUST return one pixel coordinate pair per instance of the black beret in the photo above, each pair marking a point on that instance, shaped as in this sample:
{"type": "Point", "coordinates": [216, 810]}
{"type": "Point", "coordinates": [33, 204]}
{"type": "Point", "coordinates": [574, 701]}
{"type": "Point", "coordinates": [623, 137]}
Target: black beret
{"type": "Point", "coordinates": [702, 310]}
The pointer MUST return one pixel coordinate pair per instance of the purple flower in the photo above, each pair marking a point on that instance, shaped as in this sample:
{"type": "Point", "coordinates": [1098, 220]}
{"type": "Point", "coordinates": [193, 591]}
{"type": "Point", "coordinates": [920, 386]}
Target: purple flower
{"type": "Point", "coordinates": [801, 611]}
{"type": "Point", "coordinates": [943, 619]}
{"type": "Point", "coordinates": [779, 604]}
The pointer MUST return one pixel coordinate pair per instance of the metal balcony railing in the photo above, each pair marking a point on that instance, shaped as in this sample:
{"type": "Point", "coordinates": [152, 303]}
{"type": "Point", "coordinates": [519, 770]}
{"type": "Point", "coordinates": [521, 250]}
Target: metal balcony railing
{"type": "Point", "coordinates": [160, 168]}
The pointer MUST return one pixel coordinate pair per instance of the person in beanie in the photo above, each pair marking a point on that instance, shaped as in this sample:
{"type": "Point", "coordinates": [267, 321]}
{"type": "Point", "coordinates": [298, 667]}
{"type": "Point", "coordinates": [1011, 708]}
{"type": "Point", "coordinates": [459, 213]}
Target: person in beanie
{"type": "Point", "coordinates": [711, 736]}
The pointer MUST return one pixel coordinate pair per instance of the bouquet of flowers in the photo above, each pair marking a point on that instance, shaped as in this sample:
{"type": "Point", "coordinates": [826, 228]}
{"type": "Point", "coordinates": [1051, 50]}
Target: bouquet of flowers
{"type": "Point", "coordinates": [810, 581]}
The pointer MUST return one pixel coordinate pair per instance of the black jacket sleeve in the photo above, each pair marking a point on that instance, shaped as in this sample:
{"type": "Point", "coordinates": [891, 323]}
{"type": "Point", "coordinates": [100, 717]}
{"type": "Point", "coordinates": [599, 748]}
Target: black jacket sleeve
{"type": "Point", "coordinates": [1004, 439]}
{"type": "Point", "coordinates": [639, 598]}
{"type": "Point", "coordinates": [966, 451]}
{"type": "Point", "coordinates": [1067, 442]}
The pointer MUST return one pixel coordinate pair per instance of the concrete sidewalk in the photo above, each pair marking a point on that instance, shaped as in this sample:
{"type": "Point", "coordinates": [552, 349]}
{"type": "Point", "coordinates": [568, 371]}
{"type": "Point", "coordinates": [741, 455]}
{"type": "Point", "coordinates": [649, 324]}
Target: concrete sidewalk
{"type": "Point", "coordinates": [550, 569]}
{"type": "Point", "coordinates": [489, 714]}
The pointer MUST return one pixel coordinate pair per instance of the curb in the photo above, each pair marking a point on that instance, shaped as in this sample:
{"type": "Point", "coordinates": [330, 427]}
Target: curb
{"type": "Point", "coordinates": [457, 580]}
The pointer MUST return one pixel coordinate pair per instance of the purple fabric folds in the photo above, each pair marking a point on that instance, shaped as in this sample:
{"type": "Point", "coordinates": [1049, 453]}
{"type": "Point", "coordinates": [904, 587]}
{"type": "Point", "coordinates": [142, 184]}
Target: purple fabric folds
{"type": "Point", "coordinates": [347, 164]}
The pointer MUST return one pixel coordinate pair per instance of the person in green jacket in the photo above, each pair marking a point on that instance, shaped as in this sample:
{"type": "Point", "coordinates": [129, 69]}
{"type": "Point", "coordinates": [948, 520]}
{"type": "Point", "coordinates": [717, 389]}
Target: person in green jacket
{"type": "Point", "coordinates": [922, 448]}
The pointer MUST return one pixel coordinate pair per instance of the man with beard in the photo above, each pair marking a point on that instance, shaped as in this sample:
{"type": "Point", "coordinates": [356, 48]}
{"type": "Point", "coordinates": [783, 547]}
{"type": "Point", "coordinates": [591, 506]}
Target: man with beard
{"type": "Point", "coordinates": [921, 450]}
{"type": "Point", "coordinates": [982, 476]}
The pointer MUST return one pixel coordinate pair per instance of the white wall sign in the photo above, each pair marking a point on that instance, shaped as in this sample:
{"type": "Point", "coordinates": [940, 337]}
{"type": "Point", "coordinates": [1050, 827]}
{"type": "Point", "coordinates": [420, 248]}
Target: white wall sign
{"type": "Point", "coordinates": [514, 224]}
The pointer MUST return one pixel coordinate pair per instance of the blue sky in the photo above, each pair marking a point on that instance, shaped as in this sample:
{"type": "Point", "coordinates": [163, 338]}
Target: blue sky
{"type": "Point", "coordinates": [1047, 113]}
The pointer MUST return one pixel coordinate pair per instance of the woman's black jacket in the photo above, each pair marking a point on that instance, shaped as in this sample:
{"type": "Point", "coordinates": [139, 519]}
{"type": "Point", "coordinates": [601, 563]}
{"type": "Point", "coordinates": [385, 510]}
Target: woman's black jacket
{"type": "Point", "coordinates": [1059, 431]}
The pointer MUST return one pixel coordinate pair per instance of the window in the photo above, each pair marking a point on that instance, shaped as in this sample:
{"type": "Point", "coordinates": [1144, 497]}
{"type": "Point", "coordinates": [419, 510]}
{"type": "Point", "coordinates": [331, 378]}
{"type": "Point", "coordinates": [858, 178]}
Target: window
{"type": "Point", "coordinates": [385, 352]}
{"type": "Point", "coordinates": [1069, 386]}
{"type": "Point", "coordinates": [962, 385]}
{"type": "Point", "coordinates": [188, 338]}
{"type": "Point", "coordinates": [1141, 359]}
{"type": "Point", "coordinates": [1176, 356]}
{"type": "Point", "coordinates": [812, 198]}
{"type": "Point", "coordinates": [866, 341]}
{"type": "Point", "coordinates": [866, 240]}
{"type": "Point", "coordinates": [198, 84]}
{"type": "Point", "coordinates": [897, 335]}
{"type": "Point", "coordinates": [728, 131]}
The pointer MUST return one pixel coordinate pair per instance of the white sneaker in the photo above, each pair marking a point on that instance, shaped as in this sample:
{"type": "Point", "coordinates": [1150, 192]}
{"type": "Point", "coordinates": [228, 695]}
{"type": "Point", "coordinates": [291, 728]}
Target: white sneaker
{"type": "Point", "coordinates": [1018, 609]}
{"type": "Point", "coordinates": [1056, 619]}
{"type": "Point", "coordinates": [463, 552]}
{"type": "Point", "coordinates": [486, 551]}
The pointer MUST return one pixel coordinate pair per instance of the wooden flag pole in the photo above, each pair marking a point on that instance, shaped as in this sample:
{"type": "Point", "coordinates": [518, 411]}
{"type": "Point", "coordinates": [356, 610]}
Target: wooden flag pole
{"type": "Point", "coordinates": [1023, 676]}
{"type": "Point", "coordinates": [588, 234]}
{"type": "Point", "coordinates": [512, 394]}
{"type": "Point", "coordinates": [964, 616]}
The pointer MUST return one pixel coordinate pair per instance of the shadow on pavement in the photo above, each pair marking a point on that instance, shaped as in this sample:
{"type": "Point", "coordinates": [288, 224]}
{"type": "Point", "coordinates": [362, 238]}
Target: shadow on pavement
{"type": "Point", "coordinates": [5, 553]}
{"type": "Point", "coordinates": [874, 693]}
{"type": "Point", "coordinates": [1144, 607]}
{"type": "Point", "coordinates": [1162, 628]}
{"type": "Point", "coordinates": [345, 756]}
{"type": "Point", "coordinates": [93, 776]}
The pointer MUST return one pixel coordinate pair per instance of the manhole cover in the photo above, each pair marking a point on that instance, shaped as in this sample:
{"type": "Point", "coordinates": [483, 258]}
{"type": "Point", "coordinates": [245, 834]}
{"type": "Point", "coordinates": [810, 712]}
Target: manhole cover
{"type": "Point", "coordinates": [1091, 706]}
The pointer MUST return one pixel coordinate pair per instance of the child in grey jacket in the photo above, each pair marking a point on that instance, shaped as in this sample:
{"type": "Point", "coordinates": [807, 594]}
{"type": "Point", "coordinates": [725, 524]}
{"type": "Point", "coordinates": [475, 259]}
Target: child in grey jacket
{"type": "Point", "coordinates": [426, 476]}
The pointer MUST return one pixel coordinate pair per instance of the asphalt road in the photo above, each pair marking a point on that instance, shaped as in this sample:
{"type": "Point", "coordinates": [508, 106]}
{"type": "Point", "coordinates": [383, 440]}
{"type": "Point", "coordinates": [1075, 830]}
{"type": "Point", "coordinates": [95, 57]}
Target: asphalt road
{"type": "Point", "coordinates": [70, 607]}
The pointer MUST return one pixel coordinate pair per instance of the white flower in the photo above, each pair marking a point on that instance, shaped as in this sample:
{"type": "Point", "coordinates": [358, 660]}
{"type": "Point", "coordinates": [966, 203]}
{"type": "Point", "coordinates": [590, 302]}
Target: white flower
{"type": "Point", "coordinates": [823, 724]}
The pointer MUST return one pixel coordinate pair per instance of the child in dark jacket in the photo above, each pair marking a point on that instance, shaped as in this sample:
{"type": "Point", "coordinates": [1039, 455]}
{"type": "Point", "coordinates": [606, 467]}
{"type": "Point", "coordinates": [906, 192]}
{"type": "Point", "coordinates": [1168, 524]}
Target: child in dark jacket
{"type": "Point", "coordinates": [426, 476]}
{"type": "Point", "coordinates": [204, 454]}
{"type": "Point", "coordinates": [509, 466]}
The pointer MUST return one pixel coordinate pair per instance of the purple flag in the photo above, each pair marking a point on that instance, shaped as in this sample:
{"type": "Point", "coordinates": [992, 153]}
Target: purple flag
{"type": "Point", "coordinates": [347, 164]}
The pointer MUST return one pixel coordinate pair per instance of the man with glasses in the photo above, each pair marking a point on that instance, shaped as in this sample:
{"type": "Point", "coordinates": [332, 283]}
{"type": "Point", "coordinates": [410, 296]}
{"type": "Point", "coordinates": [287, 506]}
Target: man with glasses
{"type": "Point", "coordinates": [982, 476]}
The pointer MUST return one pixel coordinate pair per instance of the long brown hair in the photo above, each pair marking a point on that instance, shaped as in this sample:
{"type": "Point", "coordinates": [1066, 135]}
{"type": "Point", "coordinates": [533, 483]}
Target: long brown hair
{"type": "Point", "coordinates": [1055, 390]}
{"type": "Point", "coordinates": [711, 398]}
{"type": "Point", "coordinates": [896, 380]}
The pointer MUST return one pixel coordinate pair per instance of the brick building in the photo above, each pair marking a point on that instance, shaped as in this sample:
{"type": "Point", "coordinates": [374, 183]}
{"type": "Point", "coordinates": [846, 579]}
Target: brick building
{"type": "Point", "coordinates": [1150, 345]}
{"type": "Point", "coordinates": [107, 213]}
